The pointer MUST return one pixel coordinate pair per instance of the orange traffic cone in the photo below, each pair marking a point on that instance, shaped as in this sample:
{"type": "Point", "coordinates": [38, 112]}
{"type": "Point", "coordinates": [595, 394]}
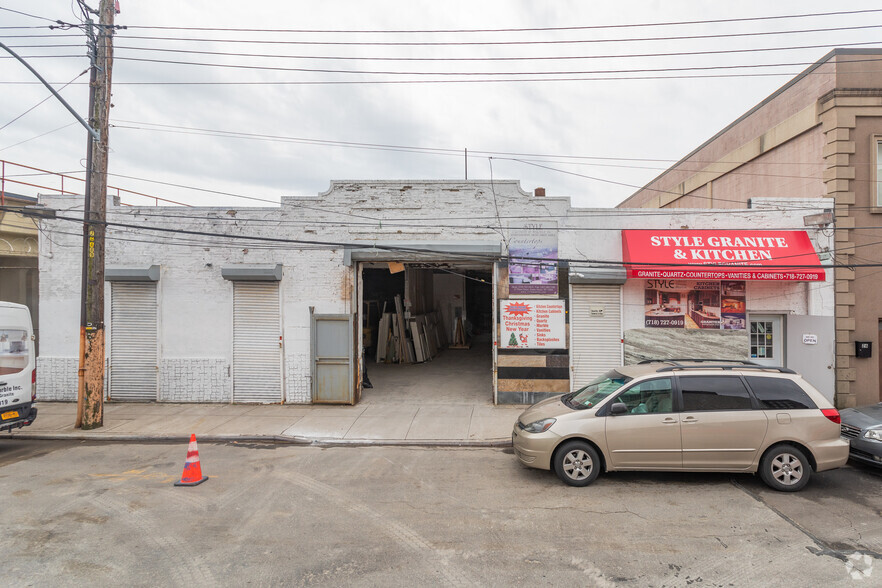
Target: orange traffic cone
{"type": "Point", "coordinates": [192, 475]}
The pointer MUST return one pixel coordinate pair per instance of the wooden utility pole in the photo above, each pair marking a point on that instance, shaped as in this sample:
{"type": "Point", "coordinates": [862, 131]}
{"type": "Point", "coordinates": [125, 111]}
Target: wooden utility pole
{"type": "Point", "coordinates": [90, 398]}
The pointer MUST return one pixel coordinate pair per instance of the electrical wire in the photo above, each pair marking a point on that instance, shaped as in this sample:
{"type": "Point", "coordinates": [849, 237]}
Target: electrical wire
{"type": "Point", "coordinates": [43, 100]}
{"type": "Point", "coordinates": [39, 136]}
{"type": "Point", "coordinates": [517, 30]}
{"type": "Point", "coordinates": [493, 74]}
{"type": "Point", "coordinates": [580, 41]}
{"type": "Point", "coordinates": [438, 151]}
{"type": "Point", "coordinates": [432, 59]}
{"type": "Point", "coordinates": [404, 249]}
{"type": "Point", "coordinates": [26, 14]}
{"type": "Point", "coordinates": [123, 35]}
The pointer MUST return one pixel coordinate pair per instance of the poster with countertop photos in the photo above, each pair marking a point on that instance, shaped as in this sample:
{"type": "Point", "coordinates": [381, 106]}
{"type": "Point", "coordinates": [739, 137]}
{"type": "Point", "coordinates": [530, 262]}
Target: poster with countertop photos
{"type": "Point", "coordinates": [706, 304]}
{"type": "Point", "coordinates": [734, 305]}
{"type": "Point", "coordinates": [528, 246]}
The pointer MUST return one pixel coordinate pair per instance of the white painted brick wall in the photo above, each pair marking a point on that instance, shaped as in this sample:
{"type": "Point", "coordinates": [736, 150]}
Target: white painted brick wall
{"type": "Point", "coordinates": [57, 378]}
{"type": "Point", "coordinates": [297, 379]}
{"type": "Point", "coordinates": [195, 380]}
{"type": "Point", "coordinates": [195, 302]}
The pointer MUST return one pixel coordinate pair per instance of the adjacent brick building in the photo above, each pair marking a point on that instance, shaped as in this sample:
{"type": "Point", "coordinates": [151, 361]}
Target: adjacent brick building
{"type": "Point", "coordinates": [820, 135]}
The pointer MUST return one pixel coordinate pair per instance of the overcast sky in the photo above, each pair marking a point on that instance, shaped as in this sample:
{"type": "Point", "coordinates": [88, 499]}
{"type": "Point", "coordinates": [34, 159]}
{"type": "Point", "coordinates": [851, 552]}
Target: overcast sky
{"type": "Point", "coordinates": [593, 140]}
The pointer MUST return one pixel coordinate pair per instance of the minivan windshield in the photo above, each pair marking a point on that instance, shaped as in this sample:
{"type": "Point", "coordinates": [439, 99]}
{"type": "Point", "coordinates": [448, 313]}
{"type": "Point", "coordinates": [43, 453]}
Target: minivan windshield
{"type": "Point", "coordinates": [13, 351]}
{"type": "Point", "coordinates": [596, 391]}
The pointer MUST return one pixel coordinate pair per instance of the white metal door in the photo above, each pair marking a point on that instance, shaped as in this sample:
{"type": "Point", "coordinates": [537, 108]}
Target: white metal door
{"type": "Point", "coordinates": [257, 348]}
{"type": "Point", "coordinates": [595, 330]}
{"type": "Point", "coordinates": [767, 339]}
{"type": "Point", "coordinates": [134, 358]}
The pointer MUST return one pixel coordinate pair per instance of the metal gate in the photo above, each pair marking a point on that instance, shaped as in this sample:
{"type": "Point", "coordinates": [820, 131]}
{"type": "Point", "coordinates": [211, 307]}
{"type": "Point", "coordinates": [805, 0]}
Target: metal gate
{"type": "Point", "coordinates": [332, 361]}
{"type": "Point", "coordinates": [133, 341]}
{"type": "Point", "coordinates": [595, 330]}
{"type": "Point", "coordinates": [257, 344]}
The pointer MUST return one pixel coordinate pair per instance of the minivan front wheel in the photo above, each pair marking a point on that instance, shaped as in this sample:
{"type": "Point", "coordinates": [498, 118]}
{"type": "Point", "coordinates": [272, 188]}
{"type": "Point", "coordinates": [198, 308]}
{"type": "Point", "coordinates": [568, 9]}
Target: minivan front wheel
{"type": "Point", "coordinates": [785, 468]}
{"type": "Point", "coordinates": [577, 463]}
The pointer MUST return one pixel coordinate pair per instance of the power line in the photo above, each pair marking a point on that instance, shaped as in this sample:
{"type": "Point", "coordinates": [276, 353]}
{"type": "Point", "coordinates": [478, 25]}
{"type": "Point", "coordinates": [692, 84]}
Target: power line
{"type": "Point", "coordinates": [27, 14]}
{"type": "Point", "coordinates": [493, 43]}
{"type": "Point", "coordinates": [405, 249]}
{"type": "Point", "coordinates": [610, 56]}
{"type": "Point", "coordinates": [428, 59]}
{"type": "Point", "coordinates": [517, 30]}
{"type": "Point", "coordinates": [43, 100]}
{"type": "Point", "coordinates": [38, 136]}
{"type": "Point", "coordinates": [443, 150]}
{"type": "Point", "coordinates": [572, 41]}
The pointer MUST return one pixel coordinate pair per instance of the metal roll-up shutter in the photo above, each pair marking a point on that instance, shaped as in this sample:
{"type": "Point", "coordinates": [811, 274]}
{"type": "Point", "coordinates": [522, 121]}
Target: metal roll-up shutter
{"type": "Point", "coordinates": [595, 330]}
{"type": "Point", "coordinates": [133, 341]}
{"type": "Point", "coordinates": [257, 354]}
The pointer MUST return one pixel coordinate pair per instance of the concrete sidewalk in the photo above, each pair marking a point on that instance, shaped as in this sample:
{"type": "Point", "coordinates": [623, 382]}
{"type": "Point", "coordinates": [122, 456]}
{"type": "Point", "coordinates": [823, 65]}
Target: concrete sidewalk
{"type": "Point", "coordinates": [367, 423]}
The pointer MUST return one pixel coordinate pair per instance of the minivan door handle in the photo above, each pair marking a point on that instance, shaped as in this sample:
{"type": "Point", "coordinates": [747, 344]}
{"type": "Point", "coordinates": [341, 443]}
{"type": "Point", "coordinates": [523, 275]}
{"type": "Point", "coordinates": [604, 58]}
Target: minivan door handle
{"type": "Point", "coordinates": [690, 419]}
{"type": "Point", "coordinates": [670, 421]}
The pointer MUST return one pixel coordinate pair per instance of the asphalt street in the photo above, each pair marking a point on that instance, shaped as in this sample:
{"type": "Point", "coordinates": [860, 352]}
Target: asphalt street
{"type": "Point", "coordinates": [108, 514]}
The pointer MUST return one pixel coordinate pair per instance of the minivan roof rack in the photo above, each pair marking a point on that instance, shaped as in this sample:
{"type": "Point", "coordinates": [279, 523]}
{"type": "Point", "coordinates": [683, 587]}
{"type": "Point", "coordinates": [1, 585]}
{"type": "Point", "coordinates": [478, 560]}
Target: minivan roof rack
{"type": "Point", "coordinates": [699, 360]}
{"type": "Point", "coordinates": [727, 366]}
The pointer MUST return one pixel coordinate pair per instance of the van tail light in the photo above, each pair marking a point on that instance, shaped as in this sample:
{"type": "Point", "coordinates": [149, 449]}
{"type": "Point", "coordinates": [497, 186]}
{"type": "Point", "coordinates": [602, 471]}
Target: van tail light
{"type": "Point", "coordinates": [832, 414]}
{"type": "Point", "coordinates": [34, 385]}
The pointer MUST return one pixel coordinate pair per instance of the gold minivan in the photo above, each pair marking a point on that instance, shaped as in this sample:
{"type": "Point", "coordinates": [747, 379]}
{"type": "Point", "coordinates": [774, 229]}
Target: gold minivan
{"type": "Point", "coordinates": [686, 415]}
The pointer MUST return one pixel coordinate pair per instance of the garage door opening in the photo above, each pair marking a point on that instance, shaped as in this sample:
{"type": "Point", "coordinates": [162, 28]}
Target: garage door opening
{"type": "Point", "coordinates": [427, 333]}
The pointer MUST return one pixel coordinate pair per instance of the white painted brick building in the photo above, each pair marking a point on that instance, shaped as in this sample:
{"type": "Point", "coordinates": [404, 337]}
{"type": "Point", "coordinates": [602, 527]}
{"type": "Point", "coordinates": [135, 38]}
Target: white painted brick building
{"type": "Point", "coordinates": [191, 305]}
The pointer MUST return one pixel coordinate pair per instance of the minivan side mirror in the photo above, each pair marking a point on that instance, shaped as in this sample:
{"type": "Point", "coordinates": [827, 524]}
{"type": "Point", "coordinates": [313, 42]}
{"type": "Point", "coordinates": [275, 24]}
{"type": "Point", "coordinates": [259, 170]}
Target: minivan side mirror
{"type": "Point", "coordinates": [618, 408]}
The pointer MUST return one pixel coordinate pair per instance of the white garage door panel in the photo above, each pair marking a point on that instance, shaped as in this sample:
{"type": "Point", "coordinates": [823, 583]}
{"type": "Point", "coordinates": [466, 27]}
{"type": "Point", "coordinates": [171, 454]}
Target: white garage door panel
{"type": "Point", "coordinates": [133, 341]}
{"type": "Point", "coordinates": [257, 356]}
{"type": "Point", "coordinates": [596, 341]}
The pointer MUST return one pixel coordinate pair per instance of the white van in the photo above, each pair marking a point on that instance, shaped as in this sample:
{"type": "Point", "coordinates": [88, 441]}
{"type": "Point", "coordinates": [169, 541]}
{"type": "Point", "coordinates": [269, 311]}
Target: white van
{"type": "Point", "coordinates": [18, 367]}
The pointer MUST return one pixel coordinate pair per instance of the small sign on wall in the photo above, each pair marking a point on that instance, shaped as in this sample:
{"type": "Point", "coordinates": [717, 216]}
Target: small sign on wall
{"type": "Point", "coordinates": [597, 311]}
{"type": "Point", "coordinates": [809, 339]}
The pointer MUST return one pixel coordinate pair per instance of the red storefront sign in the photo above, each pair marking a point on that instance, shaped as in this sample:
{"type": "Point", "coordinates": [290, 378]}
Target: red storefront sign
{"type": "Point", "coordinates": [720, 255]}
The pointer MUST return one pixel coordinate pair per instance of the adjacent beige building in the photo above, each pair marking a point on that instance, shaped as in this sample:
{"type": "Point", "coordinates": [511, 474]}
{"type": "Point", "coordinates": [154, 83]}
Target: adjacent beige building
{"type": "Point", "coordinates": [820, 135]}
{"type": "Point", "coordinates": [18, 252]}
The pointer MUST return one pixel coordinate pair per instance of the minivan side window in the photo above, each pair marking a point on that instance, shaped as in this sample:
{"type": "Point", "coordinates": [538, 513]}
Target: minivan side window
{"type": "Point", "coordinates": [779, 393]}
{"type": "Point", "coordinates": [714, 393]}
{"type": "Point", "coordinates": [649, 397]}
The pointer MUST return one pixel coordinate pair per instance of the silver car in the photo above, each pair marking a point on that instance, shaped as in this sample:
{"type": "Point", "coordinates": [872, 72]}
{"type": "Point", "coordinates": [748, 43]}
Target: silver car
{"type": "Point", "coordinates": [686, 415]}
{"type": "Point", "coordinates": [862, 427]}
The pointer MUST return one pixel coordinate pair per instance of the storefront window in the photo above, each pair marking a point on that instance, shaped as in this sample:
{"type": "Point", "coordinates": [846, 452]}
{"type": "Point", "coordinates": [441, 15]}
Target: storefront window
{"type": "Point", "coordinates": [689, 304]}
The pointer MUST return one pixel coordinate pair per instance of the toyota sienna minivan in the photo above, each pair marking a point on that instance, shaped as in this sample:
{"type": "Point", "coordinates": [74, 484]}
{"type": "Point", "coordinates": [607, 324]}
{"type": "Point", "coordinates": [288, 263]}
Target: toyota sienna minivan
{"type": "Point", "coordinates": [686, 415]}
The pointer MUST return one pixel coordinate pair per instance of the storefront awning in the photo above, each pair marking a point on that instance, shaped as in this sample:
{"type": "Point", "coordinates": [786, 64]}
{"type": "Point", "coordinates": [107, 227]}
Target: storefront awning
{"type": "Point", "coordinates": [720, 255]}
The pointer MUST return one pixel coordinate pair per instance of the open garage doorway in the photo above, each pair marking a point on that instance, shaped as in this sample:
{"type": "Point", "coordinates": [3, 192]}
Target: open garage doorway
{"type": "Point", "coordinates": [426, 332]}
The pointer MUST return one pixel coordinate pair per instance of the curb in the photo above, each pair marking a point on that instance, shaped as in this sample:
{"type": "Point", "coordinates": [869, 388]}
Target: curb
{"type": "Point", "coordinates": [271, 439]}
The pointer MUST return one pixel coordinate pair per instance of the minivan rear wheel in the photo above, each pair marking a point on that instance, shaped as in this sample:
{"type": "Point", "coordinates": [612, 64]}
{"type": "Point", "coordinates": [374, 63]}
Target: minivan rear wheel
{"type": "Point", "coordinates": [576, 463]}
{"type": "Point", "coordinates": [785, 468]}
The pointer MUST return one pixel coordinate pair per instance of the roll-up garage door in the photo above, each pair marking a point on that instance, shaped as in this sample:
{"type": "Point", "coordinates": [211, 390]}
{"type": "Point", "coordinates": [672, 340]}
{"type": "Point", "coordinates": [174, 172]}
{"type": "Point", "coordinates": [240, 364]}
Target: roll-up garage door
{"type": "Point", "coordinates": [133, 344]}
{"type": "Point", "coordinates": [595, 330]}
{"type": "Point", "coordinates": [257, 353]}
